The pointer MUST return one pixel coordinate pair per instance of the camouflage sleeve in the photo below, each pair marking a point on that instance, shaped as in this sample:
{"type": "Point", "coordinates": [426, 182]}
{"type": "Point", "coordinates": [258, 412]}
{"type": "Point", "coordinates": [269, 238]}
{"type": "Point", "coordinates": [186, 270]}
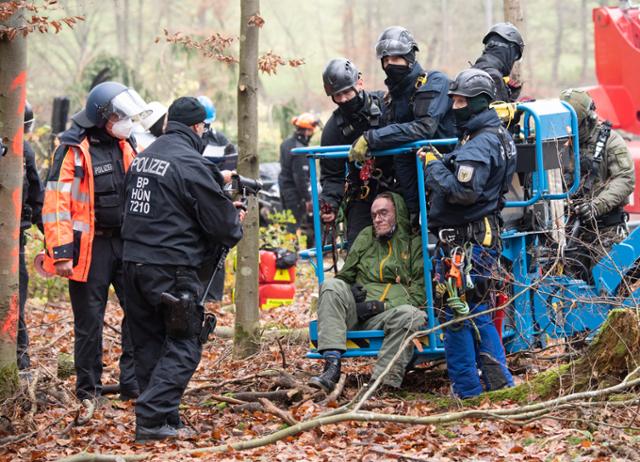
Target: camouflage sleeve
{"type": "Point", "coordinates": [620, 181]}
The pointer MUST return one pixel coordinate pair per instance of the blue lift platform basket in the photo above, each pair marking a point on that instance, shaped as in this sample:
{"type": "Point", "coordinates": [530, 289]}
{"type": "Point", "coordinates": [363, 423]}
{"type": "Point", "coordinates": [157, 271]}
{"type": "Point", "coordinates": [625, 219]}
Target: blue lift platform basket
{"type": "Point", "coordinates": [544, 306]}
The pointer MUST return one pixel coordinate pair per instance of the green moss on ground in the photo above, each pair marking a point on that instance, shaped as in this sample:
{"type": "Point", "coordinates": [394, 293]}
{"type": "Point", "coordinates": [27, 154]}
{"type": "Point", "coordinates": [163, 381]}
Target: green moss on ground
{"type": "Point", "coordinates": [613, 354]}
{"type": "Point", "coordinates": [8, 381]}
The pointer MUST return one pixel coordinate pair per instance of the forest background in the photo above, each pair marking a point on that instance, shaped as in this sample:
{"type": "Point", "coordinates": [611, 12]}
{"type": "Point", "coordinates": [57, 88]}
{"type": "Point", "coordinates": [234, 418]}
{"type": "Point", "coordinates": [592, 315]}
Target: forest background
{"type": "Point", "coordinates": [127, 38]}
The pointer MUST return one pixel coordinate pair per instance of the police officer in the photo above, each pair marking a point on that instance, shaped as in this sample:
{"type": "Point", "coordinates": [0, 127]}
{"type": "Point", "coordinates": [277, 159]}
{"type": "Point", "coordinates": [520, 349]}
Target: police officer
{"type": "Point", "coordinates": [293, 179]}
{"type": "Point", "coordinates": [466, 195]}
{"type": "Point", "coordinates": [503, 46]}
{"type": "Point", "coordinates": [32, 198]}
{"type": "Point", "coordinates": [417, 107]}
{"type": "Point", "coordinates": [82, 215]}
{"type": "Point", "coordinates": [175, 212]}
{"type": "Point", "coordinates": [607, 180]}
{"type": "Point", "coordinates": [358, 110]}
{"type": "Point", "coordinates": [216, 138]}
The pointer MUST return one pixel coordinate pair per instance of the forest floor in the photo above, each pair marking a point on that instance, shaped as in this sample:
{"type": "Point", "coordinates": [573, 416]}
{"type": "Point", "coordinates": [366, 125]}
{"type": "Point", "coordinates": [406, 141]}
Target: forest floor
{"type": "Point", "coordinates": [48, 432]}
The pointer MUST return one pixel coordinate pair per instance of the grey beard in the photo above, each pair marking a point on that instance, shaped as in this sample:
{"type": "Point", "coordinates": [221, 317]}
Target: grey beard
{"type": "Point", "coordinates": [386, 236]}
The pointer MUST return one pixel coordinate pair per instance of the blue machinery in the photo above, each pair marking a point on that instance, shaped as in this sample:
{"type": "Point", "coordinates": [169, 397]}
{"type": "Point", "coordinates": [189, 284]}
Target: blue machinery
{"type": "Point", "coordinates": [545, 306]}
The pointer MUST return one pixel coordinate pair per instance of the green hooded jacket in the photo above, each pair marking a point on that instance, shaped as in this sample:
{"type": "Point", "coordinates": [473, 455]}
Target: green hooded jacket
{"type": "Point", "coordinates": [390, 270]}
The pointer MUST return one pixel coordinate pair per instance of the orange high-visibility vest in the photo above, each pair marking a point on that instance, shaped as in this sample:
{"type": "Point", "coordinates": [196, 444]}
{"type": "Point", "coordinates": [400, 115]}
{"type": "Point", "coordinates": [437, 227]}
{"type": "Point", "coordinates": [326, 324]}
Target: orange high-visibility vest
{"type": "Point", "coordinates": [68, 211]}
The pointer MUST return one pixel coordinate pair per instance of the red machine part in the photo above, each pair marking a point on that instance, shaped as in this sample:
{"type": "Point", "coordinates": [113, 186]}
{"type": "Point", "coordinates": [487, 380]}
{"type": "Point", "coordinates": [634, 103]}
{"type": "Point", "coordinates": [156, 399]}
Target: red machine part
{"type": "Point", "coordinates": [275, 295]}
{"type": "Point", "coordinates": [277, 286]}
{"type": "Point", "coordinates": [617, 62]}
{"type": "Point", "coordinates": [498, 316]}
{"type": "Point", "coordinates": [617, 57]}
{"type": "Point", "coordinates": [268, 272]}
{"type": "Point", "coordinates": [634, 199]}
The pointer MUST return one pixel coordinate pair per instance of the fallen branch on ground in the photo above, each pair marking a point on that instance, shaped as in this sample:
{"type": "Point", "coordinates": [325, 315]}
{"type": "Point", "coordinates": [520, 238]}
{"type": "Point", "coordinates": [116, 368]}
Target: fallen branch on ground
{"type": "Point", "coordinates": [521, 415]}
{"type": "Point", "coordinates": [208, 386]}
{"type": "Point", "coordinates": [275, 410]}
{"type": "Point", "coordinates": [90, 406]}
{"type": "Point", "coordinates": [285, 396]}
{"type": "Point", "coordinates": [337, 391]}
{"type": "Point", "coordinates": [290, 335]}
{"type": "Point", "coordinates": [226, 399]}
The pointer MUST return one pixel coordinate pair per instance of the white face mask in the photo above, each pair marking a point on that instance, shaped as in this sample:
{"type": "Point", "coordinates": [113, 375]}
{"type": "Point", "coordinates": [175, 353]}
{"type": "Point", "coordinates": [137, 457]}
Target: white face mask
{"type": "Point", "coordinates": [122, 129]}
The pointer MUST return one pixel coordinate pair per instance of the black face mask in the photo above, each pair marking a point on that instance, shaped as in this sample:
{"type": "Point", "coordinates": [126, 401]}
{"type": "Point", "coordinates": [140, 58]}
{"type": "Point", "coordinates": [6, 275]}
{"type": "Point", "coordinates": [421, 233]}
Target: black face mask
{"type": "Point", "coordinates": [396, 72]}
{"type": "Point", "coordinates": [505, 52]}
{"type": "Point", "coordinates": [474, 106]}
{"type": "Point", "coordinates": [353, 105]}
{"type": "Point", "coordinates": [462, 115]}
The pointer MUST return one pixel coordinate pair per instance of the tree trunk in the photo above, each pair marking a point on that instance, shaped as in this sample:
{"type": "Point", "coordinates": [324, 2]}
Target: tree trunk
{"type": "Point", "coordinates": [348, 33]}
{"type": "Point", "coordinates": [584, 32]}
{"type": "Point", "coordinates": [513, 13]}
{"type": "Point", "coordinates": [246, 338]}
{"type": "Point", "coordinates": [13, 81]}
{"type": "Point", "coordinates": [488, 13]}
{"type": "Point", "coordinates": [446, 42]}
{"type": "Point", "coordinates": [557, 51]}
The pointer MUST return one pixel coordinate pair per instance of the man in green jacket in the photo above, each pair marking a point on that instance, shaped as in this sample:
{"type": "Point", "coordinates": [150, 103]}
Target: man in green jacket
{"type": "Point", "coordinates": [379, 287]}
{"type": "Point", "coordinates": [607, 180]}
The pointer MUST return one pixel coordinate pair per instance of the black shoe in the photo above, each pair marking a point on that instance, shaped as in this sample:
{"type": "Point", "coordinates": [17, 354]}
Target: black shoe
{"type": "Point", "coordinates": [175, 421]}
{"type": "Point", "coordinates": [128, 395]}
{"type": "Point", "coordinates": [155, 433]}
{"type": "Point", "coordinates": [329, 377]}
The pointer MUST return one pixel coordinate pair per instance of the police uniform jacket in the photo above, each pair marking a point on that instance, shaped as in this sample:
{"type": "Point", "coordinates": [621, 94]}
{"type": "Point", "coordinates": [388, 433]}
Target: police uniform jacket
{"type": "Point", "coordinates": [469, 183]}
{"type": "Point", "coordinates": [175, 211]}
{"type": "Point", "coordinates": [342, 129]}
{"type": "Point", "coordinates": [32, 191]}
{"type": "Point", "coordinates": [293, 179]}
{"type": "Point", "coordinates": [417, 108]}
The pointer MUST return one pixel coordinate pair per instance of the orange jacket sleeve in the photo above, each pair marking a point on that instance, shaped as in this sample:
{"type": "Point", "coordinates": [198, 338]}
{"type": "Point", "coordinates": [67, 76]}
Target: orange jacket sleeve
{"type": "Point", "coordinates": [57, 208]}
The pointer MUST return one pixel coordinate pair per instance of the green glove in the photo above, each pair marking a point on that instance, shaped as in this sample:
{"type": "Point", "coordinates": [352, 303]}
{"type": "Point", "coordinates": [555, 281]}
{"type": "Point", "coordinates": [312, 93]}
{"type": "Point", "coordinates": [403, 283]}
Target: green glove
{"type": "Point", "coordinates": [359, 150]}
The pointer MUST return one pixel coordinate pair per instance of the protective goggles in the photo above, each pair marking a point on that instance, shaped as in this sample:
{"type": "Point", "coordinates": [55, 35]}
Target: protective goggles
{"type": "Point", "coordinates": [128, 104]}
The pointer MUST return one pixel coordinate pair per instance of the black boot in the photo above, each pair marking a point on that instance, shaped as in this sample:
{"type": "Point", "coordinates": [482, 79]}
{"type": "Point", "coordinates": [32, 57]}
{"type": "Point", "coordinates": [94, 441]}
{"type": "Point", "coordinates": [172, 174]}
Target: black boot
{"type": "Point", "coordinates": [160, 432]}
{"type": "Point", "coordinates": [330, 376]}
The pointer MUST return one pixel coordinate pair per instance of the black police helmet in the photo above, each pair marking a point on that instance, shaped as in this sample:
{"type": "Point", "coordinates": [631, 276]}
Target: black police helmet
{"type": "Point", "coordinates": [473, 82]}
{"type": "Point", "coordinates": [507, 31]}
{"type": "Point", "coordinates": [28, 116]}
{"type": "Point", "coordinates": [340, 74]}
{"type": "Point", "coordinates": [396, 41]}
{"type": "Point", "coordinates": [94, 113]}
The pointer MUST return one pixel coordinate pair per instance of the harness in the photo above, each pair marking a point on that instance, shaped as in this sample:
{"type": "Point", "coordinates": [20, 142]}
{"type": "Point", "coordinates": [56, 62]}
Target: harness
{"type": "Point", "coordinates": [598, 149]}
{"type": "Point", "coordinates": [455, 244]}
{"type": "Point", "coordinates": [616, 216]}
{"type": "Point", "coordinates": [367, 117]}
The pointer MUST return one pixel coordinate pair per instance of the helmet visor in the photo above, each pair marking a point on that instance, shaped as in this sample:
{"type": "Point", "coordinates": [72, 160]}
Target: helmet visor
{"type": "Point", "coordinates": [128, 104]}
{"type": "Point", "coordinates": [392, 47]}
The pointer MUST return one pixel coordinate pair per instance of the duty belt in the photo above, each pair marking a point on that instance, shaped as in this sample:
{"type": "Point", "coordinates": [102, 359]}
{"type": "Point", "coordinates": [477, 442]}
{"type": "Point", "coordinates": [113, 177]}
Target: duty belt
{"type": "Point", "coordinates": [107, 232]}
{"type": "Point", "coordinates": [466, 233]}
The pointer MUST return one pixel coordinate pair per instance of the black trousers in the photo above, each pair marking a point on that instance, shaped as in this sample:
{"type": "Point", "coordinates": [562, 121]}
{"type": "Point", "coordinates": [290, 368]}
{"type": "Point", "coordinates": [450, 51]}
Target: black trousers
{"type": "Point", "coordinates": [88, 300]}
{"type": "Point", "coordinates": [23, 337]}
{"type": "Point", "coordinates": [164, 365]}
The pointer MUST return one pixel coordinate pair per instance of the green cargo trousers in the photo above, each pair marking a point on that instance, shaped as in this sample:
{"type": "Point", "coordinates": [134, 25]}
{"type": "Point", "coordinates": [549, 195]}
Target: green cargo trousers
{"type": "Point", "coordinates": [337, 314]}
